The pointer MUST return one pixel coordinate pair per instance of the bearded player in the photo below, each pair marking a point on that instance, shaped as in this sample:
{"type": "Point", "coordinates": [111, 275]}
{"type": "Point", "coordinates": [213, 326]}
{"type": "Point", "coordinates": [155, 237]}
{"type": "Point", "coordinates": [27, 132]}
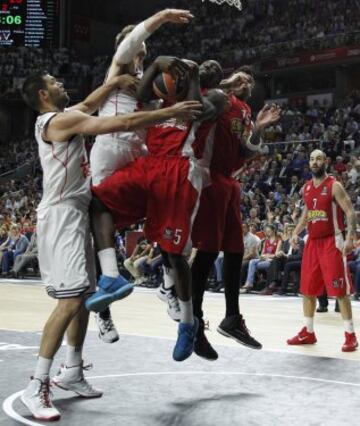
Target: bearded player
{"type": "Point", "coordinates": [324, 259]}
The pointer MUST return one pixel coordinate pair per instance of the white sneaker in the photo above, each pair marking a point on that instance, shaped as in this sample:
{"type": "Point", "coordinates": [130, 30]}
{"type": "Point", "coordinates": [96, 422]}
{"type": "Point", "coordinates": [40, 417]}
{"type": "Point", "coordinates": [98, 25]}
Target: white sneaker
{"type": "Point", "coordinates": [72, 379]}
{"type": "Point", "coordinates": [37, 398]}
{"type": "Point", "coordinates": [169, 296]}
{"type": "Point", "coordinates": [107, 330]}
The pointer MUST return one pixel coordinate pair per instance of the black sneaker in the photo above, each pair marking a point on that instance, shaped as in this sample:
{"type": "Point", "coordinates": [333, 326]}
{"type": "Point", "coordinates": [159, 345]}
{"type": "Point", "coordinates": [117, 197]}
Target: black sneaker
{"type": "Point", "coordinates": [235, 328]}
{"type": "Point", "coordinates": [202, 347]}
{"type": "Point", "coordinates": [322, 309]}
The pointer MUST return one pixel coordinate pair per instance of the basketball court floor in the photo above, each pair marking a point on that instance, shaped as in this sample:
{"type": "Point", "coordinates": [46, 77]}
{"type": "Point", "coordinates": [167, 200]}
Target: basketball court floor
{"type": "Point", "coordinates": [143, 386]}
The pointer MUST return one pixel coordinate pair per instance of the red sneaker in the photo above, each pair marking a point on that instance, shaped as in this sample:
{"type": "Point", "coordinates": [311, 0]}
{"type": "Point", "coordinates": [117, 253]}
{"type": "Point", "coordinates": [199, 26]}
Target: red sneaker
{"type": "Point", "coordinates": [351, 342]}
{"type": "Point", "coordinates": [303, 338]}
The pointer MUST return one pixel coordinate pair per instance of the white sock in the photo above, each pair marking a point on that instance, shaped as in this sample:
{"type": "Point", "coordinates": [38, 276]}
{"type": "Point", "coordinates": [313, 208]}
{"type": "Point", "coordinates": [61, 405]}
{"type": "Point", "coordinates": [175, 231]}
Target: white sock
{"type": "Point", "coordinates": [42, 370]}
{"type": "Point", "coordinates": [73, 356]}
{"type": "Point", "coordinates": [186, 311]}
{"type": "Point", "coordinates": [309, 324]}
{"type": "Point", "coordinates": [349, 326]}
{"type": "Point", "coordinates": [169, 277]}
{"type": "Point", "coordinates": [108, 262]}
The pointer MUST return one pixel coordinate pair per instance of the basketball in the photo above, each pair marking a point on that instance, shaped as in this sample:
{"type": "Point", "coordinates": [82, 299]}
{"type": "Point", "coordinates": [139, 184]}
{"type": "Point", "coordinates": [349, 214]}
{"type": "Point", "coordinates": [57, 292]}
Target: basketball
{"type": "Point", "coordinates": [169, 88]}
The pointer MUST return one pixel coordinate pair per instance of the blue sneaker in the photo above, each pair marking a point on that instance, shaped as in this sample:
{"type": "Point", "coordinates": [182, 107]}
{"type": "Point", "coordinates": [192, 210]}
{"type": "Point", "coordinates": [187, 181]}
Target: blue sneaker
{"type": "Point", "coordinates": [109, 290]}
{"type": "Point", "coordinates": [185, 342]}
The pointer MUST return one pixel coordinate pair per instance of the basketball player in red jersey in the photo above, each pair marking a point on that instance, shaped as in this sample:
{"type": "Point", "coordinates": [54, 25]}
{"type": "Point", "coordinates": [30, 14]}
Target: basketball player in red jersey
{"type": "Point", "coordinates": [218, 224]}
{"type": "Point", "coordinates": [165, 187]}
{"type": "Point", "coordinates": [324, 258]}
{"type": "Point", "coordinates": [236, 139]}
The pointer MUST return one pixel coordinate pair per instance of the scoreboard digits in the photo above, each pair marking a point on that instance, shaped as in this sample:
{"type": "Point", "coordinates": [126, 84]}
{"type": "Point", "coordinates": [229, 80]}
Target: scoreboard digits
{"type": "Point", "coordinates": [33, 23]}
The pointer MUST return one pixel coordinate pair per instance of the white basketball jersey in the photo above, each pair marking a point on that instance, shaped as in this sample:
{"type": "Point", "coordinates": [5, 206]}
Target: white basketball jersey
{"type": "Point", "coordinates": [65, 167]}
{"type": "Point", "coordinates": [118, 103]}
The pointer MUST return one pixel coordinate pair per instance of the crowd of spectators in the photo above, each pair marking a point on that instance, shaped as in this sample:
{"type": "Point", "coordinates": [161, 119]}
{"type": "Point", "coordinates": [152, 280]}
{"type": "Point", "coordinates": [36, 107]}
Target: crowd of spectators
{"type": "Point", "coordinates": [17, 63]}
{"type": "Point", "coordinates": [271, 191]}
{"type": "Point", "coordinates": [265, 28]}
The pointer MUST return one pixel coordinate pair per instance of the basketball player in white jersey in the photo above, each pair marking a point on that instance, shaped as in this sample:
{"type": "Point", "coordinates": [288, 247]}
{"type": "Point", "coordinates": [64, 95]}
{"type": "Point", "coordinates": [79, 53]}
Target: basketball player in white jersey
{"type": "Point", "coordinates": [115, 150]}
{"type": "Point", "coordinates": [65, 255]}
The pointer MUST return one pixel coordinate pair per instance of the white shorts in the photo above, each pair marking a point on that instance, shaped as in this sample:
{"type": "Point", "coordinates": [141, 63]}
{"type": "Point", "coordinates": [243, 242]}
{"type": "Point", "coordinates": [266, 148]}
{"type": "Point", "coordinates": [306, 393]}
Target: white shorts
{"type": "Point", "coordinates": [66, 255]}
{"type": "Point", "coordinates": [109, 154]}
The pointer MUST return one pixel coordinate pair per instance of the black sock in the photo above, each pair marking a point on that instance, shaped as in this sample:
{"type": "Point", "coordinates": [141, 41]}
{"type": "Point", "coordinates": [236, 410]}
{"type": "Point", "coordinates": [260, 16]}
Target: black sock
{"type": "Point", "coordinates": [200, 271]}
{"type": "Point", "coordinates": [105, 314]}
{"type": "Point", "coordinates": [232, 270]}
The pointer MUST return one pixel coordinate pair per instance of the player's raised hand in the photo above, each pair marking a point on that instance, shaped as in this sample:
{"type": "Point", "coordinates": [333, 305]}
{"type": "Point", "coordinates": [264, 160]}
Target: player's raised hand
{"type": "Point", "coordinates": [268, 115]}
{"type": "Point", "coordinates": [171, 64]}
{"type": "Point", "coordinates": [188, 110]}
{"type": "Point", "coordinates": [177, 16]}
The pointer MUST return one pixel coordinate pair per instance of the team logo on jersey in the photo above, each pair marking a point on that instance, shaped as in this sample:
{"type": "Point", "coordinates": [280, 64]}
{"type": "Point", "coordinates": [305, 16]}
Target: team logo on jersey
{"type": "Point", "coordinates": [324, 191]}
{"type": "Point", "coordinates": [168, 234]}
{"type": "Point", "coordinates": [315, 215]}
{"type": "Point", "coordinates": [237, 126]}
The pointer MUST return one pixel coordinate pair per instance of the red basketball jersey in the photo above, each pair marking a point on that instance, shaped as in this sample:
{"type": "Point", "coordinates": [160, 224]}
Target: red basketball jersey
{"type": "Point", "coordinates": [233, 129]}
{"type": "Point", "coordinates": [324, 217]}
{"type": "Point", "coordinates": [270, 247]}
{"type": "Point", "coordinates": [178, 138]}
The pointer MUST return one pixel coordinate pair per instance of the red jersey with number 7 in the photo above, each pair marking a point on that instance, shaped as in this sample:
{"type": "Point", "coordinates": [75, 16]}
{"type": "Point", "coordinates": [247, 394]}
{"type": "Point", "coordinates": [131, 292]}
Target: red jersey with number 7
{"type": "Point", "coordinates": [325, 217]}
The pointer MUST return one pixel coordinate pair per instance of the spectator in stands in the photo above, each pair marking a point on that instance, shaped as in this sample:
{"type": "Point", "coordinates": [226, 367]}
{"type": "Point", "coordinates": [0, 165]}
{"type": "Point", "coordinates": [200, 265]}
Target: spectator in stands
{"type": "Point", "coordinates": [17, 245]}
{"type": "Point", "coordinates": [29, 256]}
{"type": "Point", "coordinates": [151, 267]}
{"type": "Point", "coordinates": [267, 254]}
{"type": "Point", "coordinates": [139, 256]}
{"type": "Point", "coordinates": [4, 241]}
{"type": "Point", "coordinates": [251, 250]}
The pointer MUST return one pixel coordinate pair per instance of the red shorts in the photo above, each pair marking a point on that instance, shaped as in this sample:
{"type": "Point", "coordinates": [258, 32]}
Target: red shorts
{"type": "Point", "coordinates": [218, 224]}
{"type": "Point", "coordinates": [165, 190]}
{"type": "Point", "coordinates": [324, 267]}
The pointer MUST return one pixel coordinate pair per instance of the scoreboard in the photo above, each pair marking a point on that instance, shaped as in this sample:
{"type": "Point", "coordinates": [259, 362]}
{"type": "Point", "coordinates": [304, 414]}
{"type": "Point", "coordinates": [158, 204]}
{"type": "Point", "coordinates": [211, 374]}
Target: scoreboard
{"type": "Point", "coordinates": [33, 23]}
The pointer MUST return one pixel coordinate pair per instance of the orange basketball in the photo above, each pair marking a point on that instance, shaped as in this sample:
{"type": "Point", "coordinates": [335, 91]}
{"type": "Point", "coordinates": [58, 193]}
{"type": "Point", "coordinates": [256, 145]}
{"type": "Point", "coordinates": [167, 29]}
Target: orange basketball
{"type": "Point", "coordinates": [169, 88]}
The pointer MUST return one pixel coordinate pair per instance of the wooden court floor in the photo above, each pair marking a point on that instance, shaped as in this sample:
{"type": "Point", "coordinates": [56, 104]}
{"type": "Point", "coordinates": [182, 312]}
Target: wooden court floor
{"type": "Point", "coordinates": [25, 307]}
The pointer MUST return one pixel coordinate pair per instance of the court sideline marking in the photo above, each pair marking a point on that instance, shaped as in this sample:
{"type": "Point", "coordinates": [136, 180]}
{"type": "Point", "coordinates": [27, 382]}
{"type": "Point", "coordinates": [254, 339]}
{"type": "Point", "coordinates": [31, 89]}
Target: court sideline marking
{"type": "Point", "coordinates": [10, 411]}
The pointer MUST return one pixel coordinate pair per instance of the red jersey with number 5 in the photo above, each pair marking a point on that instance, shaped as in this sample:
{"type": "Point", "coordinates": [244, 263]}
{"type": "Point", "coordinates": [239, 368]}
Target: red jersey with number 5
{"type": "Point", "coordinates": [325, 217]}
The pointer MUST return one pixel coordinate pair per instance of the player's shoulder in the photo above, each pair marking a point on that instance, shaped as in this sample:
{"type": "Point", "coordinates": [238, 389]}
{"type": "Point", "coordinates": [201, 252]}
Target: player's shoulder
{"type": "Point", "coordinates": [238, 103]}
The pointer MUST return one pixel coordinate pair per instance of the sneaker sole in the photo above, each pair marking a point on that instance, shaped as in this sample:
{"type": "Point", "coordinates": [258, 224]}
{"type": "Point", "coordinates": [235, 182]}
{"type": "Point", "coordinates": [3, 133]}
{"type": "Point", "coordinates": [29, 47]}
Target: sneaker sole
{"type": "Point", "coordinates": [224, 333]}
{"type": "Point", "coordinates": [109, 341]}
{"type": "Point", "coordinates": [206, 358]}
{"type": "Point", "coordinates": [102, 302]}
{"type": "Point", "coordinates": [45, 419]}
{"type": "Point", "coordinates": [77, 393]}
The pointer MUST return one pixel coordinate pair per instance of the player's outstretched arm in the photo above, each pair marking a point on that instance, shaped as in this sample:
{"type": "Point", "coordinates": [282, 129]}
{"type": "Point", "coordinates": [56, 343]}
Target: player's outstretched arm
{"type": "Point", "coordinates": [65, 125]}
{"type": "Point", "coordinates": [343, 199]}
{"type": "Point", "coordinates": [131, 44]}
{"type": "Point", "coordinates": [96, 98]}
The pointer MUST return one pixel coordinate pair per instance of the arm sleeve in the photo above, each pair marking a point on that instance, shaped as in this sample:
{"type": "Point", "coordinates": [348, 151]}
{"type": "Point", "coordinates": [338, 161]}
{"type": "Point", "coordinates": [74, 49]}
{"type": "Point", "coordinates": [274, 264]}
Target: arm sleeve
{"type": "Point", "coordinates": [131, 44]}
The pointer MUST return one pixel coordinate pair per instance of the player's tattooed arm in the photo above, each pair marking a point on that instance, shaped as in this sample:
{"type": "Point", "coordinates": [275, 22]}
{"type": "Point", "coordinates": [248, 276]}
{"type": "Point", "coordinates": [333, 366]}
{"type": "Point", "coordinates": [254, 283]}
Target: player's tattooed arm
{"type": "Point", "coordinates": [343, 199]}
